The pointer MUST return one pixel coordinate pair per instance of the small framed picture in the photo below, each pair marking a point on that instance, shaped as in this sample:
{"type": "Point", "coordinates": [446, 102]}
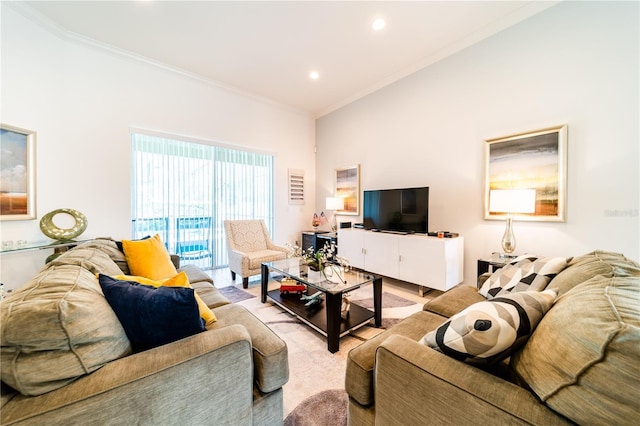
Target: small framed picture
{"type": "Point", "coordinates": [347, 186]}
{"type": "Point", "coordinates": [17, 173]}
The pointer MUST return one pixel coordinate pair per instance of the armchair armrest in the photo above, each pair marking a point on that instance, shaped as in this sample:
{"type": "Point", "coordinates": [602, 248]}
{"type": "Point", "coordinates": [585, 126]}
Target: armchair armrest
{"type": "Point", "coordinates": [237, 260]}
{"type": "Point", "coordinates": [415, 384]}
{"type": "Point", "coordinates": [202, 378]}
{"type": "Point", "coordinates": [272, 246]}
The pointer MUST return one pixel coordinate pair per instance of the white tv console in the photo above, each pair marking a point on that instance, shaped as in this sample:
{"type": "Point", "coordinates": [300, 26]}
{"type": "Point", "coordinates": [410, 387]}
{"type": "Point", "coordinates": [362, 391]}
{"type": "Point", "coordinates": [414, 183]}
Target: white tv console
{"type": "Point", "coordinates": [431, 262]}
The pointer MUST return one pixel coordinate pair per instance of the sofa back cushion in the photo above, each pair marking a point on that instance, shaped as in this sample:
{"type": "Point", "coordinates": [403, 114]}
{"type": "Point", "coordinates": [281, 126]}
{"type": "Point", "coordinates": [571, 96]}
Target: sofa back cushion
{"type": "Point", "coordinates": [89, 258]}
{"type": "Point", "coordinates": [585, 267]}
{"type": "Point", "coordinates": [59, 326]}
{"type": "Point", "coordinates": [582, 360]}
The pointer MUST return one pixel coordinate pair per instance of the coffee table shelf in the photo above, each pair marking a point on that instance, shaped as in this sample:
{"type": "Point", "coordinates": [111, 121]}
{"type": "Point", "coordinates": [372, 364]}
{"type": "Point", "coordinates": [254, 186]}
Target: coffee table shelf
{"type": "Point", "coordinates": [325, 317]}
{"type": "Point", "coordinates": [316, 317]}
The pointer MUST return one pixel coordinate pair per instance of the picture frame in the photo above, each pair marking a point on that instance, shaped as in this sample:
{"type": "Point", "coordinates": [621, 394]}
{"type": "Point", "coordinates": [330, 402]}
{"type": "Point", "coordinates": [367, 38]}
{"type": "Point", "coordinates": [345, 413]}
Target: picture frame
{"type": "Point", "coordinates": [347, 186]}
{"type": "Point", "coordinates": [536, 159]}
{"type": "Point", "coordinates": [17, 173]}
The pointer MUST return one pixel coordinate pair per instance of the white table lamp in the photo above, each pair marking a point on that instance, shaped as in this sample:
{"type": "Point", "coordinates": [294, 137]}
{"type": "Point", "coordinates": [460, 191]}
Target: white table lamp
{"type": "Point", "coordinates": [511, 201]}
{"type": "Point", "coordinates": [333, 204]}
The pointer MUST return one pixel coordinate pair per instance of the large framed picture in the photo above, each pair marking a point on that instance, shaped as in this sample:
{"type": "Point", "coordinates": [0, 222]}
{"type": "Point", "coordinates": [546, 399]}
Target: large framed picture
{"type": "Point", "coordinates": [17, 173]}
{"type": "Point", "coordinates": [347, 186]}
{"type": "Point", "coordinates": [533, 160]}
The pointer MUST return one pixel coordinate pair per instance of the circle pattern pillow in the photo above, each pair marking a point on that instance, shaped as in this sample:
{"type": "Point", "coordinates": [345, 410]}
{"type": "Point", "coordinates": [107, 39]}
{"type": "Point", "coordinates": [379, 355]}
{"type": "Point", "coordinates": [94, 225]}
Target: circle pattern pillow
{"type": "Point", "coordinates": [488, 332]}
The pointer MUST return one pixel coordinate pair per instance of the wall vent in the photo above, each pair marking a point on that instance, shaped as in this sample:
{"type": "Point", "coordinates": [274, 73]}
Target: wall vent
{"type": "Point", "coordinates": [296, 186]}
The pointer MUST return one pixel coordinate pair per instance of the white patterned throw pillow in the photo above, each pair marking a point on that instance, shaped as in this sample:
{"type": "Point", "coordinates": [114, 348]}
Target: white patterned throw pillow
{"type": "Point", "coordinates": [523, 274]}
{"type": "Point", "coordinates": [488, 332]}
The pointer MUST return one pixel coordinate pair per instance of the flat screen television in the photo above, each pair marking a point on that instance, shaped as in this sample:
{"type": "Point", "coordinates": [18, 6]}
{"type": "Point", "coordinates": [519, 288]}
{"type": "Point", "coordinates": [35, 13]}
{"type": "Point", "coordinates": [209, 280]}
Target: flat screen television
{"type": "Point", "coordinates": [403, 210]}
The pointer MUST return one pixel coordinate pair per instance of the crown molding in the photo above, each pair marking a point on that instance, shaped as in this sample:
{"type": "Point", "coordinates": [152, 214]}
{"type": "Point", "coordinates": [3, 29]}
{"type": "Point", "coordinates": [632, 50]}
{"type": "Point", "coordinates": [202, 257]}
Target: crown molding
{"type": "Point", "coordinates": [70, 36]}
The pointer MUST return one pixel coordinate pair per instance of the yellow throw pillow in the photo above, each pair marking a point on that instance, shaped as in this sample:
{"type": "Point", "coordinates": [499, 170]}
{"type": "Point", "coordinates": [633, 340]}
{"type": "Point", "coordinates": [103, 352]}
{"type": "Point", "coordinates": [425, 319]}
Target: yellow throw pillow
{"type": "Point", "coordinates": [179, 280]}
{"type": "Point", "coordinates": [148, 258]}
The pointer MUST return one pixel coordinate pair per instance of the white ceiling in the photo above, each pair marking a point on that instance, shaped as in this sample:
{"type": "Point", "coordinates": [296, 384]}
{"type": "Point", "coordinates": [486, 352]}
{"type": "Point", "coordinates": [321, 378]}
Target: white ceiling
{"type": "Point", "coordinates": [267, 48]}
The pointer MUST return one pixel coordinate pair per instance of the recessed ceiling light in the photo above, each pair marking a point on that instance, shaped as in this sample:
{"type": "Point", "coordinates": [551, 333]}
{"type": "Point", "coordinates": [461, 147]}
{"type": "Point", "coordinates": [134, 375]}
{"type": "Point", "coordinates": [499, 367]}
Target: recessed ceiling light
{"type": "Point", "coordinates": [314, 75]}
{"type": "Point", "coordinates": [378, 24]}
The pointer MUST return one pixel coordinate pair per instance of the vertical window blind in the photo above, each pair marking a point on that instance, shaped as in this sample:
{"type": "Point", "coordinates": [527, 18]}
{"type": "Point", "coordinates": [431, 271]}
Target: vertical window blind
{"type": "Point", "coordinates": [184, 191]}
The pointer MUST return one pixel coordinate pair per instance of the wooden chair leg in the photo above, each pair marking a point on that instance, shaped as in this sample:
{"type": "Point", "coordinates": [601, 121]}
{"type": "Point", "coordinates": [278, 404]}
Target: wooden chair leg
{"type": "Point", "coordinates": [233, 275]}
{"type": "Point", "coordinates": [245, 282]}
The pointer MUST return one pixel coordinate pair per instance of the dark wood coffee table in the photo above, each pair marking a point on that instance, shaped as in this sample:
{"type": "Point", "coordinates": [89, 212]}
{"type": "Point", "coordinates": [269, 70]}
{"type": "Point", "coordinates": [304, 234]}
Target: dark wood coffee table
{"type": "Point", "coordinates": [325, 317]}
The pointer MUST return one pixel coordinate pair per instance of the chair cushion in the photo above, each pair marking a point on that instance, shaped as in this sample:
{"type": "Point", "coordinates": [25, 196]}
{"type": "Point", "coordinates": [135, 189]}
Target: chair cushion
{"type": "Point", "coordinates": [149, 258]}
{"type": "Point", "coordinates": [585, 352]}
{"type": "Point", "coordinates": [58, 327]}
{"type": "Point", "coordinates": [270, 356]}
{"type": "Point", "coordinates": [257, 258]}
{"type": "Point", "coordinates": [523, 274]}
{"type": "Point", "coordinates": [488, 332]}
{"type": "Point", "coordinates": [153, 316]}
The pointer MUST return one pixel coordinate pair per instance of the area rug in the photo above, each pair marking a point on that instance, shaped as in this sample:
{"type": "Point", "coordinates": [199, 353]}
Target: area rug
{"type": "Point", "coordinates": [312, 368]}
{"type": "Point", "coordinates": [328, 407]}
{"type": "Point", "coordinates": [234, 294]}
{"type": "Point", "coordinates": [389, 300]}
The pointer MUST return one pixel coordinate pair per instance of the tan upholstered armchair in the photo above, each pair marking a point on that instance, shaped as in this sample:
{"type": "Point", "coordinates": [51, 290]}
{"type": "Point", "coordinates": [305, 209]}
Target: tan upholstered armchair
{"type": "Point", "coordinates": [249, 246]}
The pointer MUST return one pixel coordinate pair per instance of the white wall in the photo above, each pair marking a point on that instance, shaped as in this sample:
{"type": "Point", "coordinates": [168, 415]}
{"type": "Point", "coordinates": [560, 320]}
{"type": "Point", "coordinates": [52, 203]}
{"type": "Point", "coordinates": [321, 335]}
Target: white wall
{"type": "Point", "coordinates": [576, 63]}
{"type": "Point", "coordinates": [82, 101]}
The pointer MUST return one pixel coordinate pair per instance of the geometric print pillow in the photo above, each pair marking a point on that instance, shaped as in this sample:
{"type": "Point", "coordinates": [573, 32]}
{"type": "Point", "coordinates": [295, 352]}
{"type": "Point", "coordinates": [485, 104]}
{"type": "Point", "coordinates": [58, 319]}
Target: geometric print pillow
{"type": "Point", "coordinates": [523, 274]}
{"type": "Point", "coordinates": [488, 332]}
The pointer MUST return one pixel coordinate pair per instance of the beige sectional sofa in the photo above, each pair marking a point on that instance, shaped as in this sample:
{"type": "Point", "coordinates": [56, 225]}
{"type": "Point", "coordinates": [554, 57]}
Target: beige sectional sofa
{"type": "Point", "coordinates": [581, 365]}
{"type": "Point", "coordinates": [66, 358]}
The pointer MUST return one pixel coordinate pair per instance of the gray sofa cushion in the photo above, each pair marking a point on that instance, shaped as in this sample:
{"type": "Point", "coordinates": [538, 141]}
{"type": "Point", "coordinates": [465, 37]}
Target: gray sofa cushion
{"type": "Point", "coordinates": [270, 356]}
{"type": "Point", "coordinates": [203, 285]}
{"type": "Point", "coordinates": [57, 328]}
{"type": "Point", "coordinates": [574, 360]}
{"type": "Point", "coordinates": [361, 360]}
{"type": "Point", "coordinates": [585, 267]}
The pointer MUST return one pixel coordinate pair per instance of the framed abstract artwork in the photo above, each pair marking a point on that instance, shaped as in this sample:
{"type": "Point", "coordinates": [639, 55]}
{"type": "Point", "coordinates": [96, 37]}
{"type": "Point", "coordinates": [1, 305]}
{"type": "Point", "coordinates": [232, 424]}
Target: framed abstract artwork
{"type": "Point", "coordinates": [534, 160]}
{"type": "Point", "coordinates": [17, 173]}
{"type": "Point", "coordinates": [347, 186]}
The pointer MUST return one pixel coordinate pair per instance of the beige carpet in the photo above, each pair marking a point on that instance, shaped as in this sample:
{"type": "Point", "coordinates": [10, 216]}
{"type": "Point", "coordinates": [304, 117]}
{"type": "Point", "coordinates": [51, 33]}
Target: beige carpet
{"type": "Point", "coordinates": [312, 368]}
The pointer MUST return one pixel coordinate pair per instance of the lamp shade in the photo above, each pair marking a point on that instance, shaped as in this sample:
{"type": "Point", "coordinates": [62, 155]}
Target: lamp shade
{"type": "Point", "coordinates": [512, 200]}
{"type": "Point", "coordinates": [334, 203]}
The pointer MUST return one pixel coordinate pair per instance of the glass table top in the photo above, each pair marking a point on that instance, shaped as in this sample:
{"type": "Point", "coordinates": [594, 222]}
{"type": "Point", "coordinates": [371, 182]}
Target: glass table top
{"type": "Point", "coordinates": [22, 245]}
{"type": "Point", "coordinates": [334, 278]}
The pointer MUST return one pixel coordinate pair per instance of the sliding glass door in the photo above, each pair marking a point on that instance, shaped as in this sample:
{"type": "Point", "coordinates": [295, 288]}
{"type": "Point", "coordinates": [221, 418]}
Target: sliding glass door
{"type": "Point", "coordinates": [184, 190]}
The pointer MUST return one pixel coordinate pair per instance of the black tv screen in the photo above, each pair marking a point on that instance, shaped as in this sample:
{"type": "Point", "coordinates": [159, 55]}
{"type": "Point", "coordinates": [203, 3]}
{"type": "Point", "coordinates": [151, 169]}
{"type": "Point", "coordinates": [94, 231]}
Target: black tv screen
{"type": "Point", "coordinates": [399, 210]}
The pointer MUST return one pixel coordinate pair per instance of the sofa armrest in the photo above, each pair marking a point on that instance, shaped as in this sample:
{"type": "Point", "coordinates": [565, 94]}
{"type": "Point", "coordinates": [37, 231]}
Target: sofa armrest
{"type": "Point", "coordinates": [453, 301]}
{"type": "Point", "coordinates": [202, 378]}
{"type": "Point", "coordinates": [175, 259]}
{"type": "Point", "coordinates": [415, 384]}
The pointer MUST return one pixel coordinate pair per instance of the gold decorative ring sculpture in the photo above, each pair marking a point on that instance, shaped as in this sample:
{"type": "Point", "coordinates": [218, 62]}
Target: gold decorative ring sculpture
{"type": "Point", "coordinates": [49, 229]}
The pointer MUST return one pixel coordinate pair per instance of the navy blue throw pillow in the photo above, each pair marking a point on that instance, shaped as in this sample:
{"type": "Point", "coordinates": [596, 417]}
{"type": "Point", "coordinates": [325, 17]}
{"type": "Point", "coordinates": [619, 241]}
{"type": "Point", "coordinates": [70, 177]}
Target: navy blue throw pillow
{"type": "Point", "coordinates": [152, 316]}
